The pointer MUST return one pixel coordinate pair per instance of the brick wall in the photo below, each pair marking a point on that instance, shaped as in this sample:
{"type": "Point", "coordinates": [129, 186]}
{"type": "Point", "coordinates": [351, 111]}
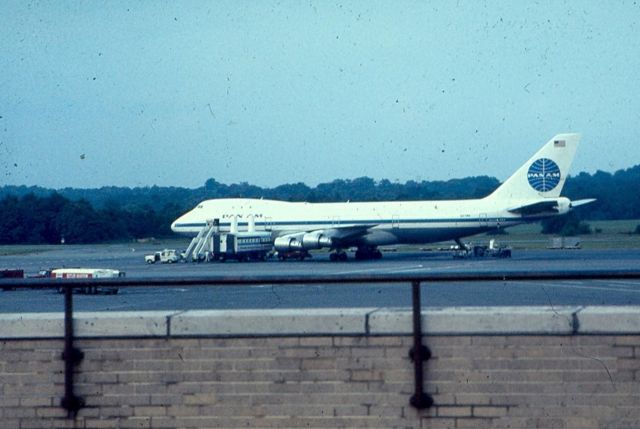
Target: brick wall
{"type": "Point", "coordinates": [347, 380]}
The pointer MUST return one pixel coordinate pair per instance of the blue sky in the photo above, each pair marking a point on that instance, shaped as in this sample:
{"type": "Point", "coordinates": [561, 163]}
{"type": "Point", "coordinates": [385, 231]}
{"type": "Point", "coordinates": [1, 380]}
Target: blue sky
{"type": "Point", "coordinates": [173, 93]}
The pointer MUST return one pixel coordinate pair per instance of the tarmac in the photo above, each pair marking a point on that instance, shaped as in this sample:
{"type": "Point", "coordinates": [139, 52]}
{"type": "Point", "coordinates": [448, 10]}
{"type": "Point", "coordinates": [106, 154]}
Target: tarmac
{"type": "Point", "coordinates": [452, 294]}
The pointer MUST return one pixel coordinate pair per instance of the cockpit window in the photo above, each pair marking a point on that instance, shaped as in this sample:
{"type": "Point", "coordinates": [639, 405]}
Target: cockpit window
{"type": "Point", "coordinates": [200, 206]}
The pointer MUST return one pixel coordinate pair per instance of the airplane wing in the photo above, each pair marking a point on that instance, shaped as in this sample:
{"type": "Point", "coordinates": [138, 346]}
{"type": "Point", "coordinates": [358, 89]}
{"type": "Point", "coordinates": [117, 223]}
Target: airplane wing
{"type": "Point", "coordinates": [318, 238]}
{"type": "Point", "coordinates": [346, 232]}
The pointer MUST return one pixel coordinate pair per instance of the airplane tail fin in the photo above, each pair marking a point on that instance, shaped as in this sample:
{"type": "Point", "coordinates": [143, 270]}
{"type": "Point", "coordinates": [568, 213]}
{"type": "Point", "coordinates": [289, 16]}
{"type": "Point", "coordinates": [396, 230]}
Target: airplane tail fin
{"type": "Point", "coordinates": [544, 175]}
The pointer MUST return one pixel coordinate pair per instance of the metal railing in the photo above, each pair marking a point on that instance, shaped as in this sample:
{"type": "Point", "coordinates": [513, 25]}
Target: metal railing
{"type": "Point", "coordinates": [419, 353]}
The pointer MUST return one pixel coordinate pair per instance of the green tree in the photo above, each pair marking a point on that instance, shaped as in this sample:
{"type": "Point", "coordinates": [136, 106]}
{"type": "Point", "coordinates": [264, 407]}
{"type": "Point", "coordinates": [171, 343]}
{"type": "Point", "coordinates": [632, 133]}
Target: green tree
{"type": "Point", "coordinates": [10, 220]}
{"type": "Point", "coordinates": [78, 222]}
{"type": "Point", "coordinates": [566, 225]}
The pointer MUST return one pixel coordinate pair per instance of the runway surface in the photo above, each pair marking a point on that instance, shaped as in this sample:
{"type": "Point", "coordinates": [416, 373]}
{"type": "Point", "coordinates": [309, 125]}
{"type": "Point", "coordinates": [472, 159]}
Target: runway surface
{"type": "Point", "coordinates": [123, 257]}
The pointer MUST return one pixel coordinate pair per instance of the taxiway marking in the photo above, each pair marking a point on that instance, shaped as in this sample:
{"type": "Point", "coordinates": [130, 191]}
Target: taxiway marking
{"type": "Point", "coordinates": [583, 286]}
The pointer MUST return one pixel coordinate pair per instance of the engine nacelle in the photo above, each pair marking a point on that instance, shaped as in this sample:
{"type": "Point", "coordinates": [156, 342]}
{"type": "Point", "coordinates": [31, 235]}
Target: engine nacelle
{"type": "Point", "coordinates": [287, 243]}
{"type": "Point", "coordinates": [315, 241]}
{"type": "Point", "coordinates": [303, 241]}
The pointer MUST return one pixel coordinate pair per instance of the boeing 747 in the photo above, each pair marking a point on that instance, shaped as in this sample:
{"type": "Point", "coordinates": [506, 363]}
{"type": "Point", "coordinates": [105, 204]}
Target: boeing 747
{"type": "Point", "coordinates": [532, 193]}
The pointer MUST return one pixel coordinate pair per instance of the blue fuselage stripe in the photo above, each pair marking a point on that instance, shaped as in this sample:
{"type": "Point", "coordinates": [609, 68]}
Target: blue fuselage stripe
{"type": "Point", "coordinates": [342, 222]}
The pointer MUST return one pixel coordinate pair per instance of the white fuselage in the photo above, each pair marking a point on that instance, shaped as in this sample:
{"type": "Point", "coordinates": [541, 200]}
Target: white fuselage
{"type": "Point", "coordinates": [386, 222]}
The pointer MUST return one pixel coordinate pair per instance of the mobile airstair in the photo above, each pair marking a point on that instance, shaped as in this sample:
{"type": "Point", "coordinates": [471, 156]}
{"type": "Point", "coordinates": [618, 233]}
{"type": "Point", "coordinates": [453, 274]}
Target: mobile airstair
{"type": "Point", "coordinates": [195, 251]}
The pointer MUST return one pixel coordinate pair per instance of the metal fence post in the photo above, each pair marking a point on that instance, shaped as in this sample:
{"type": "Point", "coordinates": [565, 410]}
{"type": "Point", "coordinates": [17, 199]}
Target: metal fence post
{"type": "Point", "coordinates": [419, 353]}
{"type": "Point", "coordinates": [72, 357]}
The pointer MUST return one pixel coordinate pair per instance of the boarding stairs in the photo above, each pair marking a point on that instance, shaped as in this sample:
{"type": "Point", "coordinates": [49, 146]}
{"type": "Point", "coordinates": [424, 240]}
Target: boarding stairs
{"type": "Point", "coordinates": [195, 250]}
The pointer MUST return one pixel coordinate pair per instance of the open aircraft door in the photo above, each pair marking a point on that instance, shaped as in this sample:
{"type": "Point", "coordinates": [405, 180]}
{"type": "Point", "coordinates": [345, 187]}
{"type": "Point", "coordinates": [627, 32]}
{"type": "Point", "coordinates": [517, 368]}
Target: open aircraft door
{"type": "Point", "coordinates": [484, 220]}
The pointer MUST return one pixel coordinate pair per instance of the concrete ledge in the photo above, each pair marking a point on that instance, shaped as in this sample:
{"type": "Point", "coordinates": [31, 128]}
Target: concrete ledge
{"type": "Point", "coordinates": [125, 323]}
{"type": "Point", "coordinates": [347, 321]}
{"type": "Point", "coordinates": [609, 320]}
{"type": "Point", "coordinates": [87, 325]}
{"type": "Point", "coordinates": [32, 325]}
{"type": "Point", "coordinates": [476, 320]}
{"type": "Point", "coordinates": [326, 321]}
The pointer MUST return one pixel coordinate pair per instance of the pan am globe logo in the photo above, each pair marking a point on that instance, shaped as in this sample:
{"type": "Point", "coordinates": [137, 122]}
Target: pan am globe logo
{"type": "Point", "coordinates": [544, 175]}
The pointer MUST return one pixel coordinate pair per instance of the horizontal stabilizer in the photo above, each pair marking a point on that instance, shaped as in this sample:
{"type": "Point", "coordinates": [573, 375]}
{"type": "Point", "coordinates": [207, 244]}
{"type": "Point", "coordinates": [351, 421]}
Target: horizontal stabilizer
{"type": "Point", "coordinates": [584, 202]}
{"type": "Point", "coordinates": [552, 206]}
{"type": "Point", "coordinates": [536, 208]}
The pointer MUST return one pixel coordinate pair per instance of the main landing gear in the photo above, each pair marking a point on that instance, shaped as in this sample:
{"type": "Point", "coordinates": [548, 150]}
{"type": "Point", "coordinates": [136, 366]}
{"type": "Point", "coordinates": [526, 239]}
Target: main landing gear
{"type": "Point", "coordinates": [367, 253]}
{"type": "Point", "coordinates": [362, 254]}
{"type": "Point", "coordinates": [461, 245]}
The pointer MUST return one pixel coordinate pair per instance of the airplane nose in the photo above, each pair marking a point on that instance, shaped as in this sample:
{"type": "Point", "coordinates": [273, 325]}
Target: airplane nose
{"type": "Point", "coordinates": [180, 225]}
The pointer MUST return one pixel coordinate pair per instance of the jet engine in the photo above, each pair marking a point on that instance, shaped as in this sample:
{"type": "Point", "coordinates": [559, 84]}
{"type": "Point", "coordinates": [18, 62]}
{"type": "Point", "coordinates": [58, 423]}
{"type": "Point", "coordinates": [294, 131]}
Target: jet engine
{"type": "Point", "coordinates": [287, 243]}
{"type": "Point", "coordinates": [302, 241]}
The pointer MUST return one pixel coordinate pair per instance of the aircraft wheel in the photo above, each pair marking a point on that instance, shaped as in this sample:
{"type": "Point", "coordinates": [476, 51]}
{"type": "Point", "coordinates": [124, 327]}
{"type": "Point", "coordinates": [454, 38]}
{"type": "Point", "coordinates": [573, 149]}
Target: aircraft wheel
{"type": "Point", "coordinates": [342, 256]}
{"type": "Point", "coordinates": [333, 257]}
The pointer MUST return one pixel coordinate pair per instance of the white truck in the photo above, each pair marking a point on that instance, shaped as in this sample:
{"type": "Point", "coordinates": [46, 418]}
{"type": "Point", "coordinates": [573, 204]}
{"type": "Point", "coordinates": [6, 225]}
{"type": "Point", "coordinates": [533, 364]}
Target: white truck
{"type": "Point", "coordinates": [166, 256]}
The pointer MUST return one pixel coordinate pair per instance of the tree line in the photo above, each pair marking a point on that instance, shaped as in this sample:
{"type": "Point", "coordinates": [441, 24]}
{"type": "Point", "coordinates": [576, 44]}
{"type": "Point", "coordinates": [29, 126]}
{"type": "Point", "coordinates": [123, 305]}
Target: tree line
{"type": "Point", "coordinates": [54, 218]}
{"type": "Point", "coordinates": [40, 215]}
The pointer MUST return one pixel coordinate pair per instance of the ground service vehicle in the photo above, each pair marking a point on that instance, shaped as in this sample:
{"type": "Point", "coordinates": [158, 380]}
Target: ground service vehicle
{"type": "Point", "coordinates": [11, 274]}
{"type": "Point", "coordinates": [479, 251]}
{"type": "Point", "coordinates": [166, 256]}
{"type": "Point", "coordinates": [243, 246]}
{"type": "Point", "coordinates": [293, 254]}
{"type": "Point", "coordinates": [88, 273]}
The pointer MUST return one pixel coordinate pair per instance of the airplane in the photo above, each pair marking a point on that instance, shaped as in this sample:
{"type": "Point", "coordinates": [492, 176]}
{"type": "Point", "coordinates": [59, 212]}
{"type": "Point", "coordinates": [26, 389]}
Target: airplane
{"type": "Point", "coordinates": [532, 193]}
